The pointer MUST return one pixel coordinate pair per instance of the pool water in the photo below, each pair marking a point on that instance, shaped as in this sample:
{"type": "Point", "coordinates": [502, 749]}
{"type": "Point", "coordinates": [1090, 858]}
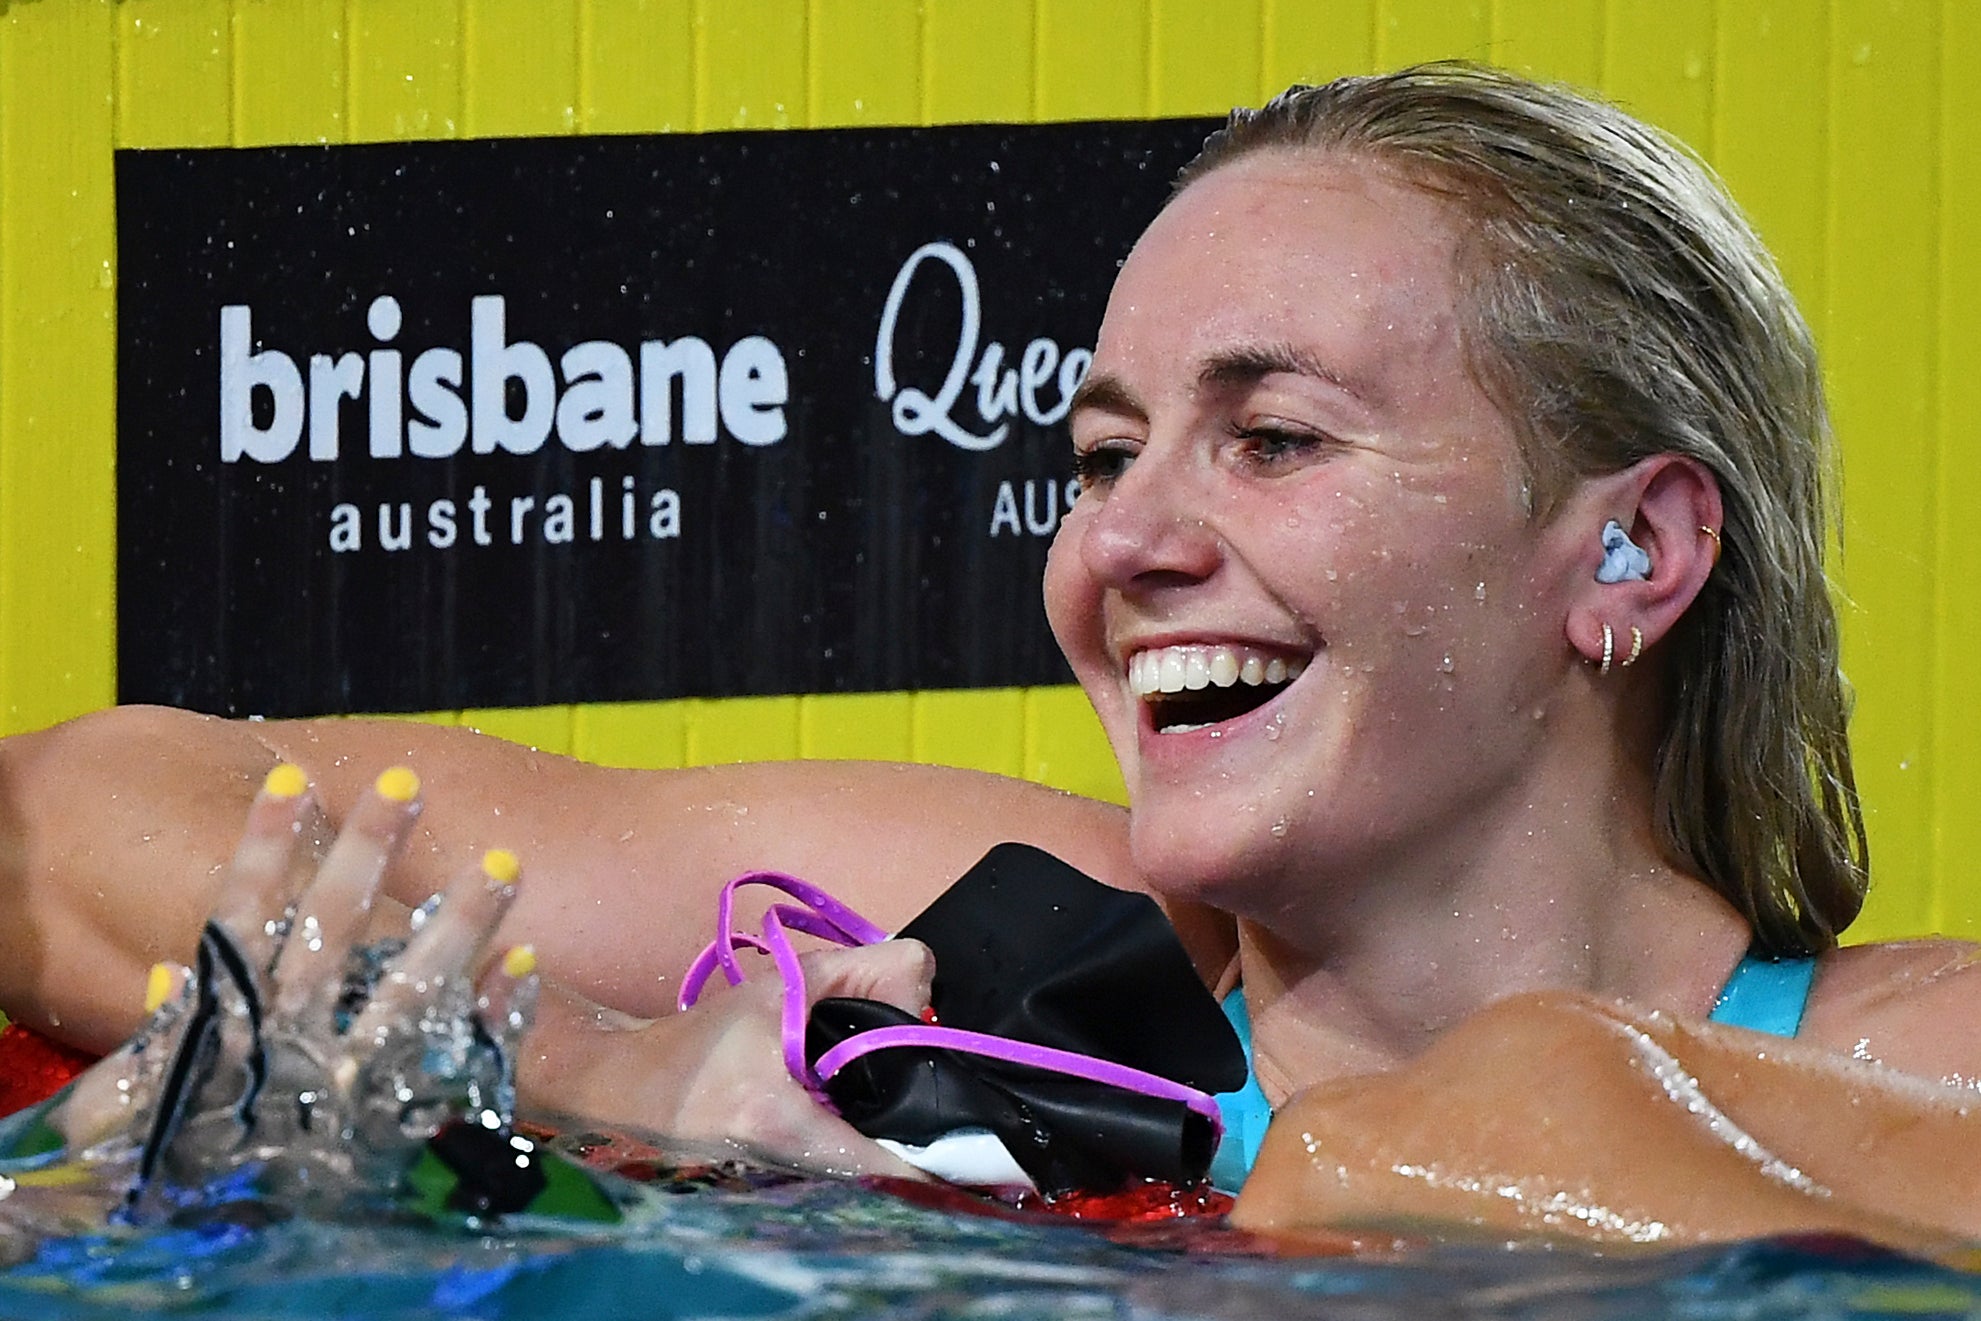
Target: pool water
{"type": "Point", "coordinates": [726, 1243]}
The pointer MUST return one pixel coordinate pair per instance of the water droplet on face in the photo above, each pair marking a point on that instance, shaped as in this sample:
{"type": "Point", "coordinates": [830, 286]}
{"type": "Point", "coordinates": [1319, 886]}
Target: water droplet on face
{"type": "Point", "coordinates": [1279, 828]}
{"type": "Point", "coordinates": [1445, 666]}
{"type": "Point", "coordinates": [1479, 592]}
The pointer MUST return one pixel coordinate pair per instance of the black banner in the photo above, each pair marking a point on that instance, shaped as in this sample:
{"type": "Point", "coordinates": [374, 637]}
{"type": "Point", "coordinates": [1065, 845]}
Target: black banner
{"type": "Point", "coordinates": [431, 425]}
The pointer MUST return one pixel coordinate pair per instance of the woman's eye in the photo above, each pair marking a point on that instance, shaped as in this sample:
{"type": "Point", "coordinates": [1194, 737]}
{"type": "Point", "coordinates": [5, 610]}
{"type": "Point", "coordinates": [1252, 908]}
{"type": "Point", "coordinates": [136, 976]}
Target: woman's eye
{"type": "Point", "coordinates": [1100, 464]}
{"type": "Point", "coordinates": [1267, 445]}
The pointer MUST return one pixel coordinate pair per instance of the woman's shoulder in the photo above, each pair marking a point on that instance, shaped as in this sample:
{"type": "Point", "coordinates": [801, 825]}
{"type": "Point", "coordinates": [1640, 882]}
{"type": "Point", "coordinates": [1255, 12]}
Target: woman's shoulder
{"type": "Point", "coordinates": [1914, 1005]}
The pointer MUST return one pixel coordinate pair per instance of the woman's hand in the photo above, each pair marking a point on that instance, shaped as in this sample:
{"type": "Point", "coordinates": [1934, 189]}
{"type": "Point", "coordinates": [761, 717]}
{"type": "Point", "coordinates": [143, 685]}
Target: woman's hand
{"type": "Point", "coordinates": [268, 1055]}
{"type": "Point", "coordinates": [714, 1075]}
{"type": "Point", "coordinates": [291, 1049]}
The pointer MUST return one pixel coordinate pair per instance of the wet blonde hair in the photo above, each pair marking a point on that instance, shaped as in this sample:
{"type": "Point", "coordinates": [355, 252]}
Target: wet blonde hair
{"type": "Point", "coordinates": [1616, 305]}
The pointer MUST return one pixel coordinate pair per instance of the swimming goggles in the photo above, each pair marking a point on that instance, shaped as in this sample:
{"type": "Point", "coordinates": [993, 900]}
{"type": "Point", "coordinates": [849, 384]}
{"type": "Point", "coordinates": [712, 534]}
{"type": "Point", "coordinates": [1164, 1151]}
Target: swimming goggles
{"type": "Point", "coordinates": [1018, 1067]}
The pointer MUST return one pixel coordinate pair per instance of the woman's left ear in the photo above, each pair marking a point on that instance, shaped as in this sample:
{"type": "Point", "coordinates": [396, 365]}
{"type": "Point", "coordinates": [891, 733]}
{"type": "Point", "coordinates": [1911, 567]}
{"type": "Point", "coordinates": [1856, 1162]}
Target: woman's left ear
{"type": "Point", "coordinates": [1653, 538]}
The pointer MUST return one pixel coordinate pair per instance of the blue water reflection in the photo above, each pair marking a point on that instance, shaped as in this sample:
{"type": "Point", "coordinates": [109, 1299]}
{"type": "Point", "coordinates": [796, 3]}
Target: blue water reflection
{"type": "Point", "coordinates": [816, 1249]}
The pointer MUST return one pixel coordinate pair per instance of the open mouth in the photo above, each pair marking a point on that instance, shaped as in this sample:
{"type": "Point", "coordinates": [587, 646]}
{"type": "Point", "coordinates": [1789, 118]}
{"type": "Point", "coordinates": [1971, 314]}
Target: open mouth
{"type": "Point", "coordinates": [1194, 687]}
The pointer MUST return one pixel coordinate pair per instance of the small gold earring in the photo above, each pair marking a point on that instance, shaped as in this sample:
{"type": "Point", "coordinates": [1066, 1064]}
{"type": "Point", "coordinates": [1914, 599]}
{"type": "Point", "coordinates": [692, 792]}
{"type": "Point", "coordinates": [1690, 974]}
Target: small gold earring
{"type": "Point", "coordinates": [1714, 533]}
{"type": "Point", "coordinates": [1609, 649]}
{"type": "Point", "coordinates": [1636, 647]}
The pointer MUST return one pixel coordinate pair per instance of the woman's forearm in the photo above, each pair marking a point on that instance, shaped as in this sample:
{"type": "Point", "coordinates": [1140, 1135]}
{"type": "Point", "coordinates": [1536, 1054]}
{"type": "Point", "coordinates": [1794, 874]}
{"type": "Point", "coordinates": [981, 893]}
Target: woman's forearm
{"type": "Point", "coordinates": [1560, 1114]}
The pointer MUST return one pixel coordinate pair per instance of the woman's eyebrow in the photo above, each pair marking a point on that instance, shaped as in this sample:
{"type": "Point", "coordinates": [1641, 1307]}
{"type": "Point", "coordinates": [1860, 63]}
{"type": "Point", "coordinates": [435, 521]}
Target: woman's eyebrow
{"type": "Point", "coordinates": [1243, 366]}
{"type": "Point", "coordinates": [1109, 394]}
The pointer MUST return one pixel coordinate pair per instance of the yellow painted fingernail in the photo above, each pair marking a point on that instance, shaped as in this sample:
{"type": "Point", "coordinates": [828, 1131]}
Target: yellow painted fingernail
{"type": "Point", "coordinates": [520, 961]}
{"type": "Point", "coordinates": [501, 865]}
{"type": "Point", "coordinates": [285, 781]}
{"type": "Point", "coordinates": [399, 784]}
{"type": "Point", "coordinates": [158, 985]}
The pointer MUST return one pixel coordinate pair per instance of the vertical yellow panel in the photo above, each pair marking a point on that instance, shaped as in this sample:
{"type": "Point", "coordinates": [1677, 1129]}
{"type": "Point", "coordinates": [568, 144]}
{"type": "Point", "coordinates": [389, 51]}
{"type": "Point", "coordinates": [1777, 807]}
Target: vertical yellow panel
{"type": "Point", "coordinates": [1957, 642]}
{"type": "Point", "coordinates": [172, 74]}
{"type": "Point", "coordinates": [405, 70]}
{"type": "Point", "coordinates": [1555, 39]}
{"type": "Point", "coordinates": [641, 734]}
{"type": "Point", "coordinates": [1064, 745]}
{"type": "Point", "coordinates": [866, 726]}
{"type": "Point", "coordinates": [1204, 58]}
{"type": "Point", "coordinates": [750, 63]}
{"type": "Point", "coordinates": [638, 66]}
{"type": "Point", "coordinates": [1884, 73]}
{"type": "Point", "coordinates": [742, 729]}
{"type": "Point", "coordinates": [1311, 41]}
{"type": "Point", "coordinates": [977, 61]}
{"type": "Point", "coordinates": [1409, 31]}
{"type": "Point", "coordinates": [981, 729]}
{"type": "Point", "coordinates": [1659, 65]}
{"type": "Point", "coordinates": [289, 72]}
{"type": "Point", "coordinates": [1093, 59]}
{"type": "Point", "coordinates": [520, 68]}
{"type": "Point", "coordinates": [1772, 130]}
{"type": "Point", "coordinates": [545, 727]}
{"type": "Point", "coordinates": [865, 62]}
{"type": "Point", "coordinates": [57, 383]}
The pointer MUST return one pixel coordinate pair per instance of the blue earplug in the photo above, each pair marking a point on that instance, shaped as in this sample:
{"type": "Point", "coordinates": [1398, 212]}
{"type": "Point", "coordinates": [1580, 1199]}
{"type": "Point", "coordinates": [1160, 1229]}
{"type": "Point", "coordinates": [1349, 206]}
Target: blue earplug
{"type": "Point", "coordinates": [1623, 559]}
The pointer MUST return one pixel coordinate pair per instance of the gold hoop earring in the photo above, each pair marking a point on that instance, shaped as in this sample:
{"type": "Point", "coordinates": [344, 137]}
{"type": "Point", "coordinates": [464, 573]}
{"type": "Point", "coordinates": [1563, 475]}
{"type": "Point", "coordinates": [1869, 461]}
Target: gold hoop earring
{"type": "Point", "coordinates": [1636, 647]}
{"type": "Point", "coordinates": [1714, 533]}
{"type": "Point", "coordinates": [1609, 649]}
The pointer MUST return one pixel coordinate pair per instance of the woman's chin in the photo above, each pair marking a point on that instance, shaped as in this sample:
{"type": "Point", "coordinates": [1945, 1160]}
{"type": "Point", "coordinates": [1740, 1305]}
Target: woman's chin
{"type": "Point", "coordinates": [1221, 867]}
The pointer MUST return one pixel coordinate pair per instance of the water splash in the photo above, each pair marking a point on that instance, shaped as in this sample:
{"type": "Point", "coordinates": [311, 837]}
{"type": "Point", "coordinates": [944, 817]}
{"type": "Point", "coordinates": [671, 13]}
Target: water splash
{"type": "Point", "coordinates": [225, 1100]}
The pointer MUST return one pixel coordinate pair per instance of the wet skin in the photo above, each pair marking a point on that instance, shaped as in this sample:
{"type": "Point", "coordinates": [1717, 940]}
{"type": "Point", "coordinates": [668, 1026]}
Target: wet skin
{"type": "Point", "coordinates": [1286, 452]}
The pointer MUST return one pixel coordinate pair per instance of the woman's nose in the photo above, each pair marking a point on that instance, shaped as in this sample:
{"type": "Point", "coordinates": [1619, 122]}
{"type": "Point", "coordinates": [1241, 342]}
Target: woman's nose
{"type": "Point", "coordinates": [1150, 527]}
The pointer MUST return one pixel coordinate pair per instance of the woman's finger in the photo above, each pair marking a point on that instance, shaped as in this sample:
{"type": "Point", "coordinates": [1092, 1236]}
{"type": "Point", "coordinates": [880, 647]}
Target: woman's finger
{"type": "Point", "coordinates": [895, 972]}
{"type": "Point", "coordinates": [332, 913]}
{"type": "Point", "coordinates": [443, 950]}
{"type": "Point", "coordinates": [271, 863]}
{"type": "Point", "coordinates": [108, 1097]}
{"type": "Point", "coordinates": [509, 992]}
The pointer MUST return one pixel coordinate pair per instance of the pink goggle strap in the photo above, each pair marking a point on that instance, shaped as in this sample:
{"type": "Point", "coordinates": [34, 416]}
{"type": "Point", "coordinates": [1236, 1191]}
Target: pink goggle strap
{"type": "Point", "coordinates": [819, 914]}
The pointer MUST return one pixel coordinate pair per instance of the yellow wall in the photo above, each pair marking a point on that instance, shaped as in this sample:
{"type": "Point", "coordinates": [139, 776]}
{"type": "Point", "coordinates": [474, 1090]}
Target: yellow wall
{"type": "Point", "coordinates": [1850, 128]}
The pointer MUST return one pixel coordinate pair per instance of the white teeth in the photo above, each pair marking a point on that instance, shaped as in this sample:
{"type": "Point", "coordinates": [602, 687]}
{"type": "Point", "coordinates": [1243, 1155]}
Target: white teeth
{"type": "Point", "coordinates": [1193, 668]}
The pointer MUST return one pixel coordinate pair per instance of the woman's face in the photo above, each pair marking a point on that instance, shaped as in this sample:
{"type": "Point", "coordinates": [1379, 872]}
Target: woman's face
{"type": "Point", "coordinates": [1290, 471]}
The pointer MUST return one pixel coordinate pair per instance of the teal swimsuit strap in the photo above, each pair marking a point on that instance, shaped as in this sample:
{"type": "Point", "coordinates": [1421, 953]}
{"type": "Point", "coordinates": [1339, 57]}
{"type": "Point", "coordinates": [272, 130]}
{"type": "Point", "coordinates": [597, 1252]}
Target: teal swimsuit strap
{"type": "Point", "coordinates": [1244, 1111]}
{"type": "Point", "coordinates": [1766, 995]}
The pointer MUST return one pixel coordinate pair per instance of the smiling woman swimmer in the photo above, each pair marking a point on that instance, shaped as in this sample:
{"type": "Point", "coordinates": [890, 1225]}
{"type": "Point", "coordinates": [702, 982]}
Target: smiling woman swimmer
{"type": "Point", "coordinates": [1448, 578]}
